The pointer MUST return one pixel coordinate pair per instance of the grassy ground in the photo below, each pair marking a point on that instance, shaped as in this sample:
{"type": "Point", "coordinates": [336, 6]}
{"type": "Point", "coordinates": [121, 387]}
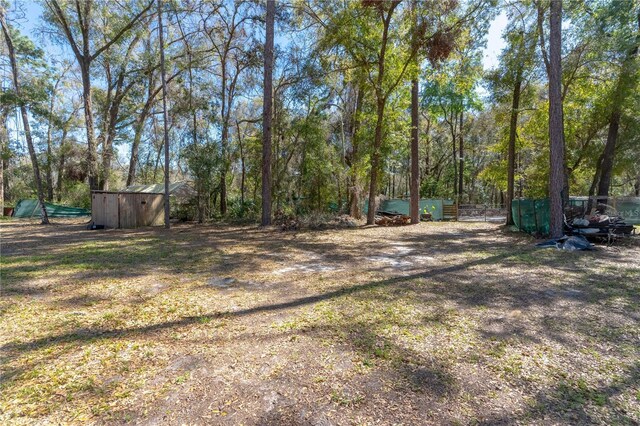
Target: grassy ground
{"type": "Point", "coordinates": [440, 323]}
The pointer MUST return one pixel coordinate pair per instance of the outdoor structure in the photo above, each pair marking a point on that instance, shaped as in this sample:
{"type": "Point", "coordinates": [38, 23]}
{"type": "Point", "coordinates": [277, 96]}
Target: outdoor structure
{"type": "Point", "coordinates": [136, 206]}
{"type": "Point", "coordinates": [126, 209]}
{"type": "Point", "coordinates": [439, 209]}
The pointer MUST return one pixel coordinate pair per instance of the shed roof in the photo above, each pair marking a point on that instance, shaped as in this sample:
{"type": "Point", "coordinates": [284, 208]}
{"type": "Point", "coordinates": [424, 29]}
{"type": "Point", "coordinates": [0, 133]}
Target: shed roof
{"type": "Point", "coordinates": [178, 189]}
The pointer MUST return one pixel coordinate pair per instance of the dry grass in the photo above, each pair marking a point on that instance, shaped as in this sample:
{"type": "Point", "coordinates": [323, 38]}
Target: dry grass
{"type": "Point", "coordinates": [455, 323]}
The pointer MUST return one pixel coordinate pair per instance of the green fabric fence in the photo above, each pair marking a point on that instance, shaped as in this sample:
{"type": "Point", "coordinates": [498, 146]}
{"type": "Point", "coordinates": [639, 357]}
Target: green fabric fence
{"type": "Point", "coordinates": [531, 216]}
{"type": "Point", "coordinates": [31, 208]}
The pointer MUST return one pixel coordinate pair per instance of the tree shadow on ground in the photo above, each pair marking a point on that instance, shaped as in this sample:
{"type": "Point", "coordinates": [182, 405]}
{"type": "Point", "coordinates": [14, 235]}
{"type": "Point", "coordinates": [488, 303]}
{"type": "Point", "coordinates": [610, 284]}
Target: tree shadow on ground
{"type": "Point", "coordinates": [457, 284]}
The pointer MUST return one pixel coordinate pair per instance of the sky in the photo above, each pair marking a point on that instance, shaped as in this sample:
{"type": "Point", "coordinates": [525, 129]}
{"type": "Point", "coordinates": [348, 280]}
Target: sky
{"type": "Point", "coordinates": [495, 42]}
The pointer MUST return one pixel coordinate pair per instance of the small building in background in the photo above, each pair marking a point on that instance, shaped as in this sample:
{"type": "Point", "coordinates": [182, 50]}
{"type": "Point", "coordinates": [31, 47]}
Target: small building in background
{"type": "Point", "coordinates": [136, 206]}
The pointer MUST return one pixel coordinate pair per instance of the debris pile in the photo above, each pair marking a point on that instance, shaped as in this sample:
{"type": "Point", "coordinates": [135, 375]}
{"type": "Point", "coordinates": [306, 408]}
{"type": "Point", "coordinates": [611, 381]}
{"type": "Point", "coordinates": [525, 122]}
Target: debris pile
{"type": "Point", "coordinates": [571, 243]}
{"type": "Point", "coordinates": [391, 219]}
{"type": "Point", "coordinates": [323, 221]}
{"type": "Point", "coordinates": [605, 223]}
{"type": "Point", "coordinates": [316, 221]}
{"type": "Point", "coordinates": [343, 221]}
{"type": "Point", "coordinates": [286, 222]}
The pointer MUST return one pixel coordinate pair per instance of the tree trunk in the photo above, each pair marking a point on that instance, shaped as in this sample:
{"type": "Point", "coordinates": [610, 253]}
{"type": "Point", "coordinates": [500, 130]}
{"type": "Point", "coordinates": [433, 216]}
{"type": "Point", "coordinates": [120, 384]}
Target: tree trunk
{"type": "Point", "coordinates": [392, 190]}
{"type": "Point", "coordinates": [381, 100]}
{"type": "Point", "coordinates": [4, 143]}
{"type": "Point", "coordinates": [267, 114]}
{"type": "Point", "coordinates": [414, 190]}
{"type": "Point", "coordinates": [454, 149]}
{"type": "Point", "coordinates": [61, 167]}
{"type": "Point", "coordinates": [223, 173]}
{"type": "Point", "coordinates": [135, 147]}
{"type": "Point", "coordinates": [242, 165]}
{"type": "Point", "coordinates": [138, 129]}
{"type": "Point", "coordinates": [427, 155]}
{"type": "Point", "coordinates": [511, 153]}
{"type": "Point", "coordinates": [606, 167]}
{"type": "Point", "coordinates": [461, 159]}
{"type": "Point", "coordinates": [224, 136]}
{"type": "Point", "coordinates": [88, 117]}
{"type": "Point", "coordinates": [25, 116]}
{"type": "Point", "coordinates": [107, 145]}
{"type": "Point", "coordinates": [375, 160]}
{"type": "Point", "coordinates": [556, 126]}
{"type": "Point", "coordinates": [594, 184]}
{"type": "Point", "coordinates": [354, 190]}
{"type": "Point", "coordinates": [165, 118]}
{"type": "Point", "coordinates": [49, 168]}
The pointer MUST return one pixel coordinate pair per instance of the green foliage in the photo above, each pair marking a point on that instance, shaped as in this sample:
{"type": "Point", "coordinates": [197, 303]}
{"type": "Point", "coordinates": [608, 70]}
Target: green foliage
{"type": "Point", "coordinates": [327, 86]}
{"type": "Point", "coordinates": [204, 163]}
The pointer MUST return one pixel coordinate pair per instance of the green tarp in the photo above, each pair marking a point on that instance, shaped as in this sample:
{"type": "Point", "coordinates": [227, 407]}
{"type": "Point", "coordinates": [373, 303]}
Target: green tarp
{"type": "Point", "coordinates": [433, 206]}
{"type": "Point", "coordinates": [531, 216]}
{"type": "Point", "coordinates": [31, 208]}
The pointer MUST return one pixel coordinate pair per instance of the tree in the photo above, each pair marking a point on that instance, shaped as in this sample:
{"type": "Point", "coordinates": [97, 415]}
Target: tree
{"type": "Point", "coordinates": [556, 123]}
{"type": "Point", "coordinates": [627, 79]}
{"type": "Point", "coordinates": [414, 188]}
{"type": "Point", "coordinates": [233, 49]}
{"type": "Point", "coordinates": [165, 118]}
{"type": "Point", "coordinates": [381, 95]}
{"type": "Point", "coordinates": [511, 155]}
{"type": "Point", "coordinates": [516, 62]}
{"type": "Point", "coordinates": [449, 92]}
{"type": "Point", "coordinates": [267, 114]}
{"type": "Point", "coordinates": [24, 115]}
{"type": "Point", "coordinates": [119, 84]}
{"type": "Point", "coordinates": [86, 53]}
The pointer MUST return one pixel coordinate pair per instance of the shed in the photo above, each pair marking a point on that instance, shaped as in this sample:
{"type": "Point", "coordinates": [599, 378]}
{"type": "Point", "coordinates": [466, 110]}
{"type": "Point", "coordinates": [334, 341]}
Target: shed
{"type": "Point", "coordinates": [127, 209]}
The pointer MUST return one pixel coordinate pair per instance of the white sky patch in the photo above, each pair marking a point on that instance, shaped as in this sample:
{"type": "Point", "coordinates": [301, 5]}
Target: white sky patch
{"type": "Point", "coordinates": [495, 42]}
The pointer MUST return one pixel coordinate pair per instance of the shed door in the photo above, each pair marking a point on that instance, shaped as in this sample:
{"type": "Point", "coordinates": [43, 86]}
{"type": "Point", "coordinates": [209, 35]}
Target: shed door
{"type": "Point", "coordinates": [104, 209]}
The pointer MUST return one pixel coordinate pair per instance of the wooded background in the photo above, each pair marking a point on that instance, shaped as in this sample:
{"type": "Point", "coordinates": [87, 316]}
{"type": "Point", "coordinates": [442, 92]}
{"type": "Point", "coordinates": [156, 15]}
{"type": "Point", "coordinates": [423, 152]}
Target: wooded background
{"type": "Point", "coordinates": [344, 75]}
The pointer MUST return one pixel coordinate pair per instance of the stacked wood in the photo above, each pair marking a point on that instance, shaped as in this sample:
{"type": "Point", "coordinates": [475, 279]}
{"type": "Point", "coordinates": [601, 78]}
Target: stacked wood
{"type": "Point", "coordinates": [392, 219]}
